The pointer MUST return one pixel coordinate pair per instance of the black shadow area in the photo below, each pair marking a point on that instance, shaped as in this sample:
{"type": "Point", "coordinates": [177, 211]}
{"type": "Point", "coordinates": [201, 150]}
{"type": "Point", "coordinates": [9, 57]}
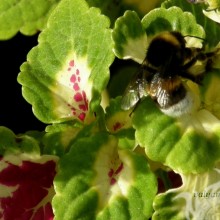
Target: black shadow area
{"type": "Point", "coordinates": [15, 112]}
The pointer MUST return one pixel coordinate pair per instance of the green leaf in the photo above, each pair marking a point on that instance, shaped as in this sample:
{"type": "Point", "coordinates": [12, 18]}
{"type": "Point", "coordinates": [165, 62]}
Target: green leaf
{"type": "Point", "coordinates": [69, 68]}
{"type": "Point", "coordinates": [188, 144]}
{"type": "Point", "coordinates": [58, 138]}
{"type": "Point", "coordinates": [116, 118]}
{"type": "Point", "coordinates": [213, 15]}
{"type": "Point", "coordinates": [173, 19]}
{"type": "Point", "coordinates": [198, 11]}
{"type": "Point", "coordinates": [129, 37]}
{"type": "Point", "coordinates": [213, 4]}
{"type": "Point", "coordinates": [24, 16]}
{"type": "Point", "coordinates": [12, 144]}
{"type": "Point", "coordinates": [112, 9]}
{"type": "Point", "coordinates": [209, 90]}
{"type": "Point", "coordinates": [98, 181]}
{"type": "Point", "coordinates": [118, 122]}
{"type": "Point", "coordinates": [197, 198]}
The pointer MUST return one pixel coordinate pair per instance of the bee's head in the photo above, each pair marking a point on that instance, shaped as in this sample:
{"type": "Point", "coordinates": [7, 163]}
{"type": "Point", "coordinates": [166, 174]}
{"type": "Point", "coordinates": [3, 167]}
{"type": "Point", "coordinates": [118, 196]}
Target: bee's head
{"type": "Point", "coordinates": [166, 50]}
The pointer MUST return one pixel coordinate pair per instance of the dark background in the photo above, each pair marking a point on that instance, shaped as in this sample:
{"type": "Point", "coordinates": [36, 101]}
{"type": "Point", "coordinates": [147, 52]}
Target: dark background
{"type": "Point", "coordinates": [15, 112]}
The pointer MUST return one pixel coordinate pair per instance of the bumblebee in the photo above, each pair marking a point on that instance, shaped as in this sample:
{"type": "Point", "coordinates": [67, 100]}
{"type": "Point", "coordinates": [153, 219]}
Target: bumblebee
{"type": "Point", "coordinates": [163, 74]}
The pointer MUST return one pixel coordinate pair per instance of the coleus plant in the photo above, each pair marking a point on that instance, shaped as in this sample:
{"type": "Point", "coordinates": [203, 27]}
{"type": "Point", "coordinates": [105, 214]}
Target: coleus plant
{"type": "Point", "coordinates": [95, 160]}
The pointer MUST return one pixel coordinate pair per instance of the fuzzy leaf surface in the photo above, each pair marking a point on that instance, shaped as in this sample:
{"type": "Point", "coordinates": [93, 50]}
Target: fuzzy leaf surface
{"type": "Point", "coordinates": [24, 16]}
{"type": "Point", "coordinates": [211, 28]}
{"type": "Point", "coordinates": [98, 181]}
{"type": "Point", "coordinates": [69, 67]}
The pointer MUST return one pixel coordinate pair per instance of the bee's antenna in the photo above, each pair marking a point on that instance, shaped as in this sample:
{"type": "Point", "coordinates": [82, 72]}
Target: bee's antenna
{"type": "Point", "coordinates": [200, 38]}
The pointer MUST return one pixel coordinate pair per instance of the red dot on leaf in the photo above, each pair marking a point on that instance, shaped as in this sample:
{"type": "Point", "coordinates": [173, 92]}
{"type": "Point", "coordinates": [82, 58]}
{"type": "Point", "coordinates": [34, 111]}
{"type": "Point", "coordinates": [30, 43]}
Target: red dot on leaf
{"type": "Point", "coordinates": [117, 126]}
{"type": "Point", "coordinates": [83, 107]}
{"type": "Point", "coordinates": [82, 116]}
{"type": "Point", "coordinates": [111, 172]}
{"type": "Point", "coordinates": [73, 109]}
{"type": "Point", "coordinates": [76, 86]}
{"type": "Point", "coordinates": [119, 169]}
{"type": "Point", "coordinates": [84, 97]}
{"type": "Point", "coordinates": [71, 63]}
{"type": "Point", "coordinates": [73, 78]}
{"type": "Point", "coordinates": [112, 181]}
{"type": "Point", "coordinates": [78, 97]}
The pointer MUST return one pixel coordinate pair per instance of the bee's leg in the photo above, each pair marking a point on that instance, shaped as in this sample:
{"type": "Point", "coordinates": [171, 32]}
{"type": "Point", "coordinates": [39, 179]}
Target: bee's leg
{"type": "Point", "coordinates": [135, 107]}
{"type": "Point", "coordinates": [195, 78]}
{"type": "Point", "coordinates": [206, 59]}
{"type": "Point", "coordinates": [197, 54]}
{"type": "Point", "coordinates": [209, 59]}
{"type": "Point", "coordinates": [189, 64]}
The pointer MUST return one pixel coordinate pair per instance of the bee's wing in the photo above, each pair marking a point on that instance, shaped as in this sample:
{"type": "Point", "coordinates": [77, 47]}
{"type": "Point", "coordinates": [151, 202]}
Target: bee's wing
{"type": "Point", "coordinates": [135, 90]}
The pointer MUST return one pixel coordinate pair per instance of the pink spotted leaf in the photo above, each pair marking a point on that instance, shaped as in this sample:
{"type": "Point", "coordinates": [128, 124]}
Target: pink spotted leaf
{"type": "Point", "coordinates": [96, 180]}
{"type": "Point", "coordinates": [119, 123]}
{"type": "Point", "coordinates": [62, 85]}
